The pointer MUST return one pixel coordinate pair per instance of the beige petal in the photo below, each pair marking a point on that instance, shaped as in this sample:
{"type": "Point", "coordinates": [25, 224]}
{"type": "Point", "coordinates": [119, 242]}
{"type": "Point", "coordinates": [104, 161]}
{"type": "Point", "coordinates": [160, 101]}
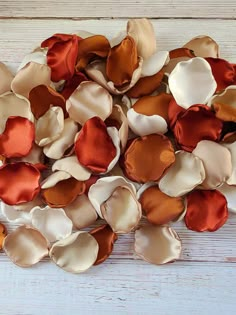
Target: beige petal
{"type": "Point", "coordinates": [228, 97]}
{"type": "Point", "coordinates": [203, 46]}
{"type": "Point", "coordinates": [157, 244]}
{"type": "Point", "coordinates": [50, 126]}
{"type": "Point", "coordinates": [52, 223]}
{"type": "Point", "coordinates": [114, 134]}
{"type": "Point", "coordinates": [25, 246]}
{"type": "Point", "coordinates": [38, 56]}
{"type": "Point", "coordinates": [76, 253]}
{"type": "Point", "coordinates": [118, 38]}
{"type": "Point", "coordinates": [5, 78]}
{"type": "Point", "coordinates": [216, 161]}
{"type": "Point", "coordinates": [184, 175]}
{"type": "Point", "coordinates": [89, 100]}
{"type": "Point", "coordinates": [72, 166]}
{"type": "Point", "coordinates": [54, 178]}
{"type": "Point", "coordinates": [13, 215]}
{"type": "Point", "coordinates": [230, 194]}
{"type": "Point", "coordinates": [57, 148]}
{"type": "Point", "coordinates": [143, 33]}
{"type": "Point", "coordinates": [232, 149]}
{"type": "Point", "coordinates": [188, 75]}
{"type": "Point", "coordinates": [84, 34]}
{"type": "Point", "coordinates": [32, 75]}
{"type": "Point", "coordinates": [155, 63]}
{"type": "Point", "coordinates": [81, 212]}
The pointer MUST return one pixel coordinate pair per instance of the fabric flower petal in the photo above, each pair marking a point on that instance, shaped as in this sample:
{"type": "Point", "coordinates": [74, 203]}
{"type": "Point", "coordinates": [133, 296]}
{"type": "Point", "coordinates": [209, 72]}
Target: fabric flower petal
{"type": "Point", "coordinates": [3, 234]}
{"type": "Point", "coordinates": [71, 85]}
{"type": "Point", "coordinates": [232, 149]}
{"type": "Point", "coordinates": [176, 56]}
{"type": "Point", "coordinates": [203, 46]}
{"type": "Point", "coordinates": [230, 194]}
{"type": "Point", "coordinates": [37, 56]}
{"type": "Point", "coordinates": [54, 178]}
{"type": "Point", "coordinates": [11, 214]}
{"type": "Point", "coordinates": [155, 63]}
{"type": "Point", "coordinates": [5, 78]}
{"type": "Point", "coordinates": [174, 111]}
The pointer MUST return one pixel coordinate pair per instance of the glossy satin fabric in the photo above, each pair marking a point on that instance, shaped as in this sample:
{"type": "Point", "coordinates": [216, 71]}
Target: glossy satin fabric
{"type": "Point", "coordinates": [225, 112]}
{"type": "Point", "coordinates": [174, 110]}
{"type": "Point", "coordinates": [181, 52]}
{"type": "Point", "coordinates": [3, 234]}
{"type": "Point", "coordinates": [72, 84]}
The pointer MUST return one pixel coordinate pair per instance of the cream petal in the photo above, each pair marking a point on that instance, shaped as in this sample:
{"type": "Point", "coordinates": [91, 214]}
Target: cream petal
{"type": "Point", "coordinates": [12, 104]}
{"type": "Point", "coordinates": [57, 148]}
{"type": "Point", "coordinates": [28, 206]}
{"type": "Point", "coordinates": [54, 178]}
{"type": "Point", "coordinates": [84, 34]}
{"type": "Point", "coordinates": [118, 38]}
{"type": "Point", "coordinates": [230, 194]}
{"type": "Point", "coordinates": [228, 97]}
{"type": "Point", "coordinates": [157, 244]}
{"type": "Point", "coordinates": [89, 100]}
{"type": "Point", "coordinates": [143, 125]}
{"type": "Point", "coordinates": [50, 126]}
{"type": "Point", "coordinates": [184, 175]}
{"type": "Point", "coordinates": [81, 212]}
{"type": "Point", "coordinates": [32, 75]}
{"type": "Point", "coordinates": [72, 166]}
{"type": "Point", "coordinates": [155, 63]}
{"type": "Point", "coordinates": [38, 56]}
{"type": "Point", "coordinates": [192, 82]}
{"type": "Point", "coordinates": [5, 78]}
{"type": "Point", "coordinates": [173, 63]}
{"type": "Point", "coordinates": [232, 149]}
{"type": "Point", "coordinates": [103, 188]}
{"type": "Point", "coordinates": [114, 134]}
{"type": "Point", "coordinates": [143, 33]}
{"type": "Point", "coordinates": [52, 223]}
{"type": "Point", "coordinates": [15, 216]}
{"type": "Point", "coordinates": [203, 46]}
{"type": "Point", "coordinates": [76, 253]}
{"type": "Point", "coordinates": [216, 161]}
{"type": "Point", "coordinates": [121, 210]}
{"type": "Point", "coordinates": [25, 246]}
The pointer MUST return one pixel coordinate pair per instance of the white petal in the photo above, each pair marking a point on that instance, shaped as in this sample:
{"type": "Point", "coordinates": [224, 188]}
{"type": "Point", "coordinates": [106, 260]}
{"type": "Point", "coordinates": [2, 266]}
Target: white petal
{"type": "Point", "coordinates": [15, 216]}
{"type": "Point", "coordinates": [155, 63]}
{"type": "Point", "coordinates": [232, 149]}
{"type": "Point", "coordinates": [54, 178]}
{"type": "Point", "coordinates": [230, 194]}
{"type": "Point", "coordinates": [114, 134]}
{"type": "Point", "coordinates": [38, 56]}
{"type": "Point", "coordinates": [5, 78]}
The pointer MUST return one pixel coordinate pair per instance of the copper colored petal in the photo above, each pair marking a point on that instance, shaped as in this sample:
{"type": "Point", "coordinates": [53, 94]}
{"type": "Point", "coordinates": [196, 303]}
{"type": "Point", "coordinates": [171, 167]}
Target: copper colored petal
{"type": "Point", "coordinates": [19, 182]}
{"type": "Point", "coordinates": [3, 234]}
{"type": "Point", "coordinates": [181, 52]}
{"type": "Point", "coordinates": [225, 112]}
{"type": "Point", "coordinates": [122, 60]}
{"type": "Point", "coordinates": [17, 138]}
{"type": "Point", "coordinates": [174, 110]}
{"type": "Point", "coordinates": [147, 158]}
{"type": "Point", "coordinates": [159, 207]}
{"type": "Point", "coordinates": [106, 239]}
{"type": "Point", "coordinates": [206, 210]}
{"type": "Point", "coordinates": [63, 193]}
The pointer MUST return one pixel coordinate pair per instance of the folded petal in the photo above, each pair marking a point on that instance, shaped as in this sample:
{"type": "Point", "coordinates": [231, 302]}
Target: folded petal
{"type": "Point", "coordinates": [232, 149]}
{"type": "Point", "coordinates": [225, 112]}
{"type": "Point", "coordinates": [54, 178]}
{"type": "Point", "coordinates": [176, 56]}
{"type": "Point", "coordinates": [5, 78]}
{"type": "Point", "coordinates": [155, 63]}
{"type": "Point", "coordinates": [230, 194]}
{"type": "Point", "coordinates": [203, 46]}
{"type": "Point", "coordinates": [71, 84]}
{"type": "Point", "coordinates": [37, 56]}
{"type": "Point", "coordinates": [3, 234]}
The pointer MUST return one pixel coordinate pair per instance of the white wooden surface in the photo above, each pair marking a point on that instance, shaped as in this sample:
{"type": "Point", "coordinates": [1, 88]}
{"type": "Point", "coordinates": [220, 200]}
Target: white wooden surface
{"type": "Point", "coordinates": [204, 281]}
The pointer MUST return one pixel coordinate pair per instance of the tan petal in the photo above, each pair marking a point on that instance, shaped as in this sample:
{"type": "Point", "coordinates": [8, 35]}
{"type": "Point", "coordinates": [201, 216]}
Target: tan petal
{"type": "Point", "coordinates": [117, 39]}
{"type": "Point", "coordinates": [76, 253]}
{"type": "Point", "coordinates": [114, 134]}
{"type": "Point", "coordinates": [5, 78]}
{"type": "Point", "coordinates": [13, 215]}
{"type": "Point", "coordinates": [54, 178]}
{"type": "Point", "coordinates": [232, 149]}
{"type": "Point", "coordinates": [230, 194]}
{"type": "Point", "coordinates": [38, 56]}
{"type": "Point", "coordinates": [203, 46]}
{"type": "Point", "coordinates": [157, 244]}
{"type": "Point", "coordinates": [25, 246]}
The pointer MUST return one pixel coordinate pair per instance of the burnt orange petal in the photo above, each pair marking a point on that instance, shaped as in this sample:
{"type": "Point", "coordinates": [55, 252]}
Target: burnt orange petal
{"type": "Point", "coordinates": [174, 110]}
{"type": "Point", "coordinates": [122, 60]}
{"type": "Point", "coordinates": [146, 85]}
{"type": "Point", "coordinates": [229, 137]}
{"type": "Point", "coordinates": [181, 52]}
{"type": "Point", "coordinates": [72, 84]}
{"type": "Point", "coordinates": [94, 147]}
{"type": "Point", "coordinates": [42, 97]}
{"type": "Point", "coordinates": [90, 48]}
{"type": "Point", "coordinates": [106, 239]}
{"type": "Point", "coordinates": [63, 193]}
{"type": "Point", "coordinates": [159, 207]}
{"type": "Point", "coordinates": [146, 158]}
{"type": "Point", "coordinates": [19, 183]}
{"type": "Point", "coordinates": [3, 234]}
{"type": "Point", "coordinates": [225, 112]}
{"type": "Point", "coordinates": [197, 123]}
{"type": "Point", "coordinates": [17, 138]}
{"type": "Point", "coordinates": [206, 210]}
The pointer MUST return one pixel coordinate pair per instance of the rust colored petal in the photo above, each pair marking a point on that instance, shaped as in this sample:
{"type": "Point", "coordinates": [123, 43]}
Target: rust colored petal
{"type": "Point", "coordinates": [17, 138]}
{"type": "Point", "coordinates": [206, 210]}
{"type": "Point", "coordinates": [42, 97]}
{"type": "Point", "coordinates": [147, 158]}
{"type": "Point", "coordinates": [201, 121]}
{"type": "Point", "coordinates": [106, 239]}
{"type": "Point", "coordinates": [94, 147]}
{"type": "Point", "coordinates": [122, 60]}
{"type": "Point", "coordinates": [146, 85]}
{"type": "Point", "coordinates": [159, 207]}
{"type": "Point", "coordinates": [19, 182]}
{"type": "Point", "coordinates": [225, 112]}
{"type": "Point", "coordinates": [72, 84]}
{"type": "Point", "coordinates": [3, 234]}
{"type": "Point", "coordinates": [181, 52]}
{"type": "Point", "coordinates": [63, 193]}
{"type": "Point", "coordinates": [174, 110]}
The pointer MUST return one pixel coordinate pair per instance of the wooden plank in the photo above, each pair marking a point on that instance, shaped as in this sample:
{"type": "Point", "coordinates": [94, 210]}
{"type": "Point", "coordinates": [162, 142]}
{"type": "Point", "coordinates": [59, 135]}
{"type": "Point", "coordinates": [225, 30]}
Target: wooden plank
{"type": "Point", "coordinates": [109, 8]}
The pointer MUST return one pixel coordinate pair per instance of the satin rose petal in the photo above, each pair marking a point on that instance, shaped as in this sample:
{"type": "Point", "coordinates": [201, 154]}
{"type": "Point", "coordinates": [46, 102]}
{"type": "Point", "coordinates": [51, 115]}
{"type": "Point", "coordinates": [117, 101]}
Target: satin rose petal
{"type": "Point", "coordinates": [144, 187]}
{"type": "Point", "coordinates": [37, 56]}
{"type": "Point", "coordinates": [32, 75]}
{"type": "Point", "coordinates": [184, 175]}
{"type": "Point", "coordinates": [94, 147]}
{"type": "Point", "coordinates": [232, 149]}
{"type": "Point", "coordinates": [176, 56]}
{"type": "Point", "coordinates": [122, 60]}
{"type": "Point", "coordinates": [35, 156]}
{"type": "Point", "coordinates": [157, 244]}
{"type": "Point", "coordinates": [15, 216]}
{"type": "Point", "coordinates": [50, 126]}
{"type": "Point", "coordinates": [28, 206]}
{"type": "Point", "coordinates": [117, 39]}
{"type": "Point", "coordinates": [54, 178]}
{"type": "Point", "coordinates": [12, 104]}
{"type": "Point", "coordinates": [52, 223]}
{"type": "Point", "coordinates": [188, 75]}
{"type": "Point", "coordinates": [148, 157]}
{"type": "Point", "coordinates": [230, 194]}
{"type": "Point", "coordinates": [225, 112]}
{"type": "Point", "coordinates": [155, 63]}
{"type": "Point", "coordinates": [87, 101]}
{"type": "Point", "coordinates": [206, 210]}
{"type": "Point", "coordinates": [142, 31]}
{"type": "Point", "coordinates": [19, 182]}
{"type": "Point", "coordinates": [63, 193]}
{"type": "Point", "coordinates": [71, 165]}
{"type": "Point", "coordinates": [212, 154]}
{"type": "Point", "coordinates": [76, 253]}
{"type": "Point", "coordinates": [174, 111]}
{"type": "Point", "coordinates": [202, 123]}
{"type": "Point", "coordinates": [5, 78]}
{"type": "Point", "coordinates": [106, 239]}
{"type": "Point", "coordinates": [160, 208]}
{"type": "Point", "coordinates": [25, 246]}
{"type": "Point", "coordinates": [81, 212]}
{"type": "Point", "coordinates": [71, 84]}
{"type": "Point", "coordinates": [104, 187]}
{"type": "Point", "coordinates": [203, 46]}
{"type": "Point", "coordinates": [3, 234]}
{"type": "Point", "coordinates": [17, 138]}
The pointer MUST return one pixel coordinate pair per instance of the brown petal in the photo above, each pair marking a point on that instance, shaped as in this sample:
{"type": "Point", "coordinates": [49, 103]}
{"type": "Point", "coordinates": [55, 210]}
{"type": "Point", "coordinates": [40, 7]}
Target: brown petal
{"type": "Point", "coordinates": [3, 234]}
